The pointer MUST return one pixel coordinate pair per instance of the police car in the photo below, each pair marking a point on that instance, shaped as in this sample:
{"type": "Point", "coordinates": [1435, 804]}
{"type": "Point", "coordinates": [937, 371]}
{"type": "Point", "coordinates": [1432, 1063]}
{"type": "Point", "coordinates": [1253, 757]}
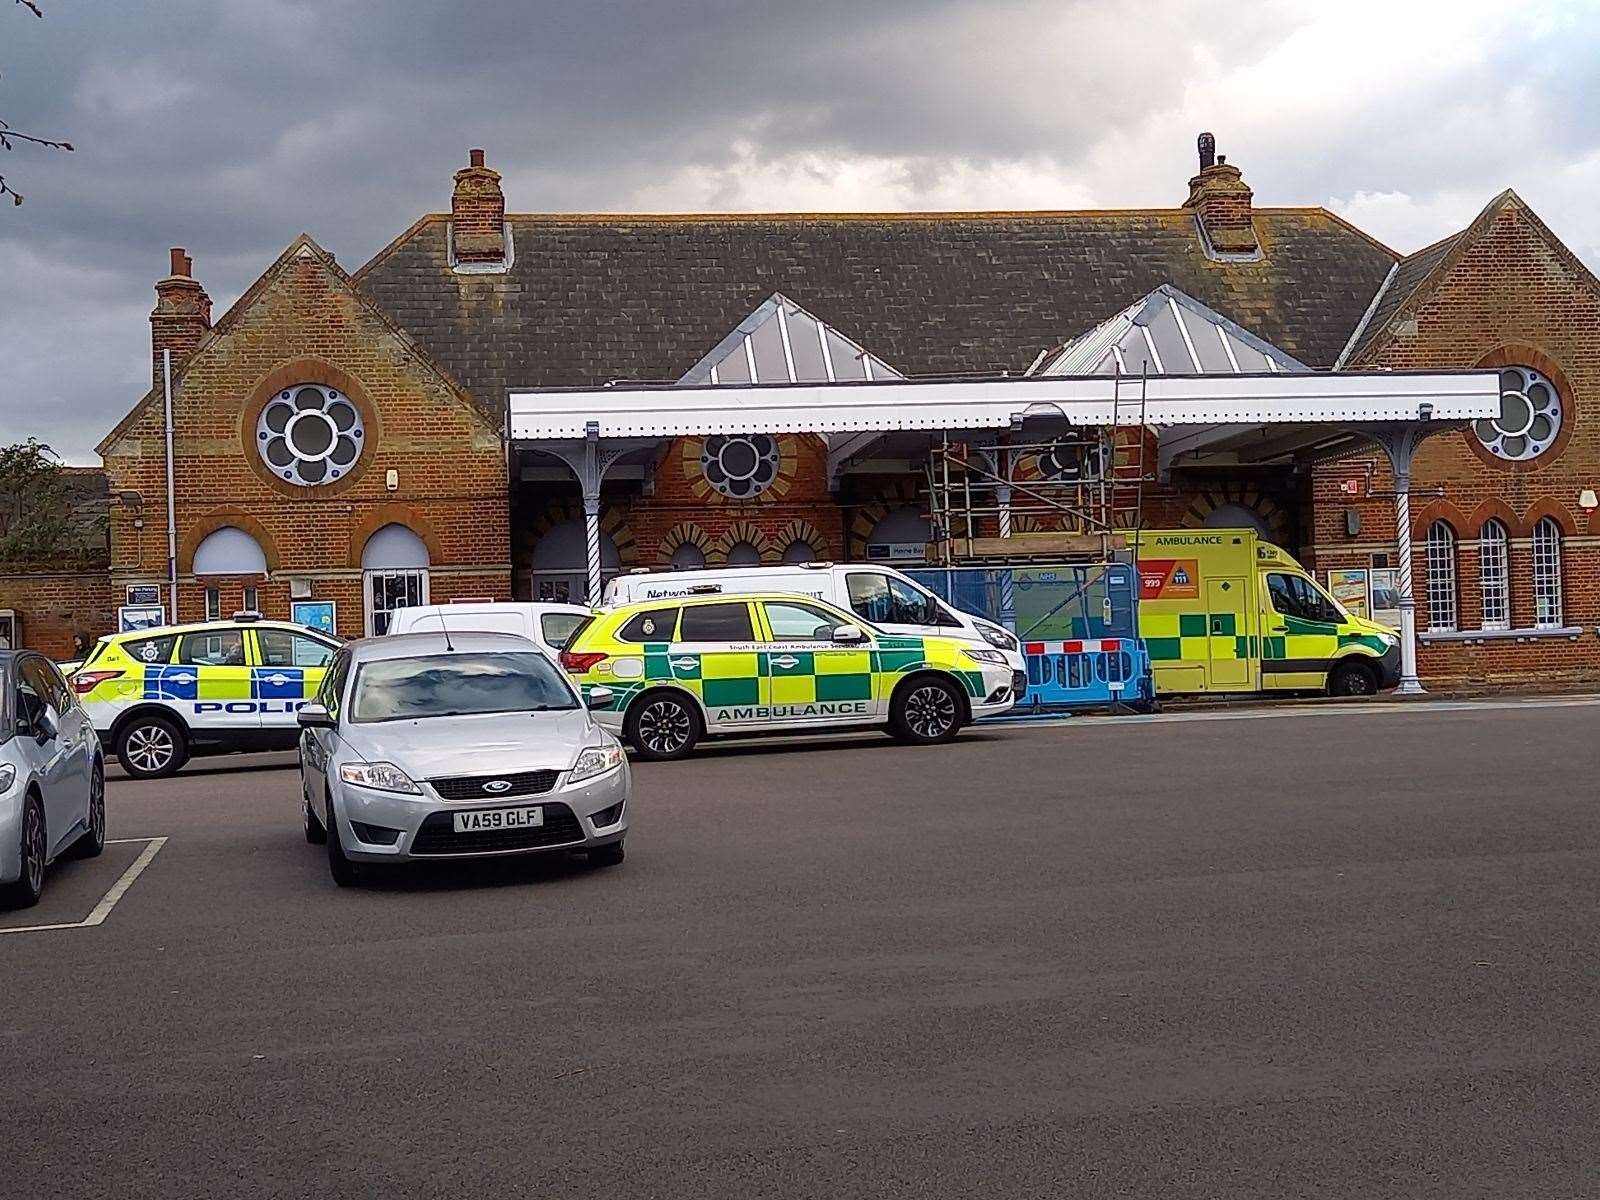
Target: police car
{"type": "Point", "coordinates": [681, 669]}
{"type": "Point", "coordinates": [158, 696]}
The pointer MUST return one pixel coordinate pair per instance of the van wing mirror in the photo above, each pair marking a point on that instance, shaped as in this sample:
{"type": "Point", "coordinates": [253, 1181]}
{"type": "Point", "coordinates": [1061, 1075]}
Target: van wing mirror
{"type": "Point", "coordinates": [848, 635]}
{"type": "Point", "coordinates": [314, 716]}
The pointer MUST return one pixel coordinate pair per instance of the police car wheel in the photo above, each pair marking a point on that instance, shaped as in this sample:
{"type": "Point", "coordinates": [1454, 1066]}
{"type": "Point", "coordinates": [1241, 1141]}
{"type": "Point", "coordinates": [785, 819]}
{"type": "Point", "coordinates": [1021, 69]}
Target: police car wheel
{"type": "Point", "coordinates": [1353, 679]}
{"type": "Point", "coordinates": [150, 747]}
{"type": "Point", "coordinates": [662, 726]}
{"type": "Point", "coordinates": [925, 711]}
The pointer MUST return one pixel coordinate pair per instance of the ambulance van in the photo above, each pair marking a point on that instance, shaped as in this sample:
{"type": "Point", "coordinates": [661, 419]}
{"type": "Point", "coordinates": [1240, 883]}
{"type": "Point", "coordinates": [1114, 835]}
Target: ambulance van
{"type": "Point", "coordinates": [1223, 611]}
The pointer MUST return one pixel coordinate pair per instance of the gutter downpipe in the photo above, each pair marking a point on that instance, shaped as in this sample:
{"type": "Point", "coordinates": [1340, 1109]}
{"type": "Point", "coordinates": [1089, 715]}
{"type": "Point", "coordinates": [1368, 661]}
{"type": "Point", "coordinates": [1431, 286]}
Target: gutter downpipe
{"type": "Point", "coordinates": [172, 516]}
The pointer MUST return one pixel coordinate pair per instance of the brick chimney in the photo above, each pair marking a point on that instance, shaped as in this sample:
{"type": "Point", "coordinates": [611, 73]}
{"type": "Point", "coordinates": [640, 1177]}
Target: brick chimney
{"type": "Point", "coordinates": [1221, 202]}
{"type": "Point", "coordinates": [478, 214]}
{"type": "Point", "coordinates": [181, 317]}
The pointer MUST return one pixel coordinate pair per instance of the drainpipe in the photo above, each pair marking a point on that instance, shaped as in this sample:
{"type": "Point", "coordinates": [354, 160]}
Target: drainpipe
{"type": "Point", "coordinates": [172, 516]}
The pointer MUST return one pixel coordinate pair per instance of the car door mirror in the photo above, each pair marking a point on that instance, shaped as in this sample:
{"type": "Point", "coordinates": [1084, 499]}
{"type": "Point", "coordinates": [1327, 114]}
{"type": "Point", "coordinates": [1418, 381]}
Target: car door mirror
{"type": "Point", "coordinates": [315, 716]}
{"type": "Point", "coordinates": [600, 697]}
{"type": "Point", "coordinates": [848, 635]}
{"type": "Point", "coordinates": [45, 728]}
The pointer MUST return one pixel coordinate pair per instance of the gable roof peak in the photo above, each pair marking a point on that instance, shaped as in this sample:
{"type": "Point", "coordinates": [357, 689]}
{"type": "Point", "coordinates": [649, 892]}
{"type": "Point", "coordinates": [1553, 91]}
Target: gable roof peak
{"type": "Point", "coordinates": [782, 342]}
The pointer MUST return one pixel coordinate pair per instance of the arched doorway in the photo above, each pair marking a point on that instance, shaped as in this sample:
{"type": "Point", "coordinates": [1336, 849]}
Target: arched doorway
{"type": "Point", "coordinates": [901, 535]}
{"type": "Point", "coordinates": [394, 568]}
{"type": "Point", "coordinates": [1236, 516]}
{"type": "Point", "coordinates": [559, 566]}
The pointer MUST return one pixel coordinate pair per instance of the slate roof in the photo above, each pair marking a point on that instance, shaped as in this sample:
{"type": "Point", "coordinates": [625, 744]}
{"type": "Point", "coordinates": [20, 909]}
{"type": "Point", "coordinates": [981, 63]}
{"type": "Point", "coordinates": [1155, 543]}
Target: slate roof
{"type": "Point", "coordinates": [1410, 273]}
{"type": "Point", "coordinates": [593, 298]}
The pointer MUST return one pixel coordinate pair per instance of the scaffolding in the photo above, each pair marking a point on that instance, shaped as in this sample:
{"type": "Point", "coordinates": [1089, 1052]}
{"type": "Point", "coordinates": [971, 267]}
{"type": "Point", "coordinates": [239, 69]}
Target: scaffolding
{"type": "Point", "coordinates": [1075, 496]}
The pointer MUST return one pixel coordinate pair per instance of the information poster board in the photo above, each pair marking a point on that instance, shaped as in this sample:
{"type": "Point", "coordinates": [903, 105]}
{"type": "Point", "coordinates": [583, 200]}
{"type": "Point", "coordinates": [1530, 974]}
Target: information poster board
{"type": "Point", "coordinates": [1385, 588]}
{"type": "Point", "coordinates": [1349, 588]}
{"type": "Point", "coordinates": [143, 595]}
{"type": "Point", "coordinates": [315, 614]}
{"type": "Point", "coordinates": [133, 617]}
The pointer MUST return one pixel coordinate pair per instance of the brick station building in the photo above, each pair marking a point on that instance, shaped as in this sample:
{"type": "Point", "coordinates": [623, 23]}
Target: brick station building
{"type": "Point", "coordinates": [341, 436]}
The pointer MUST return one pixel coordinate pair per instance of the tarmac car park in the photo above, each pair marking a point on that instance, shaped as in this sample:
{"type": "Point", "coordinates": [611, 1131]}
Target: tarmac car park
{"type": "Point", "coordinates": [683, 668]}
{"type": "Point", "coordinates": [158, 696]}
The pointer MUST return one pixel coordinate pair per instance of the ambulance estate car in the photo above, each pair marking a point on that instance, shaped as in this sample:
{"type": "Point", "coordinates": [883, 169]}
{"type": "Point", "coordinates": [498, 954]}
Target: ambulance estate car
{"type": "Point", "coordinates": [688, 667]}
{"type": "Point", "coordinates": [157, 696]}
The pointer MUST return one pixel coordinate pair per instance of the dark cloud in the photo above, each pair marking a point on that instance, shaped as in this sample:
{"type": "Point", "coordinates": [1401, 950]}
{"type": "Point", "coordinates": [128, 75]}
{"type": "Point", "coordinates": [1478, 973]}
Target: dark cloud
{"type": "Point", "coordinates": [228, 126]}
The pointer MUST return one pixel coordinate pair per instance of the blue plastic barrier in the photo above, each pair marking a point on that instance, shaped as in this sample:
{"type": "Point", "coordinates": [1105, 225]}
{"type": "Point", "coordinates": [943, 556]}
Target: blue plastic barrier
{"type": "Point", "coordinates": [1078, 625]}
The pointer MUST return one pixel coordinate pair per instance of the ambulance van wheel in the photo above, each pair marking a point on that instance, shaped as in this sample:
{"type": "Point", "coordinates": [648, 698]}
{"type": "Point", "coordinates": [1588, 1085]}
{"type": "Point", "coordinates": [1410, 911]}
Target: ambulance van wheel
{"type": "Point", "coordinates": [151, 746]}
{"type": "Point", "coordinates": [661, 726]}
{"type": "Point", "coordinates": [925, 711]}
{"type": "Point", "coordinates": [1353, 679]}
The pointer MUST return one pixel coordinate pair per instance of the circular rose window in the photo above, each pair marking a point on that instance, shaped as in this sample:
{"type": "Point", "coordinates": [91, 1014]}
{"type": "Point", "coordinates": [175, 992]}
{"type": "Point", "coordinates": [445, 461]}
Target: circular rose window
{"type": "Point", "coordinates": [1530, 416]}
{"type": "Point", "coordinates": [309, 435]}
{"type": "Point", "coordinates": [740, 465]}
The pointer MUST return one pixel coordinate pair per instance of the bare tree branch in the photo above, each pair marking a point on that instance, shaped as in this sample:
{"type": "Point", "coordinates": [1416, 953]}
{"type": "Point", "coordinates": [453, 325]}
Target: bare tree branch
{"type": "Point", "coordinates": [9, 136]}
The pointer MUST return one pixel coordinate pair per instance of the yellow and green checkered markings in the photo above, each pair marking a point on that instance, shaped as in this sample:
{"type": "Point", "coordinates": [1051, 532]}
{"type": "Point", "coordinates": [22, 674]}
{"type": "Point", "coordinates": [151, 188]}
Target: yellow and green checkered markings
{"type": "Point", "coordinates": [1174, 636]}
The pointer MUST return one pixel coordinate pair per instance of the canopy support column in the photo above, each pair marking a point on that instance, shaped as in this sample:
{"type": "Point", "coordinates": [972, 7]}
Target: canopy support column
{"type": "Point", "coordinates": [1400, 444]}
{"type": "Point", "coordinates": [589, 460]}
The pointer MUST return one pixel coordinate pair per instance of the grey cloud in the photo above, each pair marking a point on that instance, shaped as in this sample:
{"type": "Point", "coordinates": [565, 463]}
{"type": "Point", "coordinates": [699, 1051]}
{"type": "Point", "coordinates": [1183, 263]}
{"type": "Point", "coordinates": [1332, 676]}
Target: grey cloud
{"type": "Point", "coordinates": [228, 126]}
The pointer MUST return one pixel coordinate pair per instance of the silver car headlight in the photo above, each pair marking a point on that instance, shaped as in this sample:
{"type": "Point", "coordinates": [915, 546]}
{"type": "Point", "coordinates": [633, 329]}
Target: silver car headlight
{"type": "Point", "coordinates": [8, 776]}
{"type": "Point", "coordinates": [596, 760]}
{"type": "Point", "coordinates": [384, 776]}
{"type": "Point", "coordinates": [996, 636]}
{"type": "Point", "coordinates": [993, 657]}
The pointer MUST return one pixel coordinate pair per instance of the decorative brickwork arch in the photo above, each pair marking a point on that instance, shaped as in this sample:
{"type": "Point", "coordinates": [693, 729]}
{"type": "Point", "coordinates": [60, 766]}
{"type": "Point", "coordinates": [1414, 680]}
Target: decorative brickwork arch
{"type": "Point", "coordinates": [684, 533]}
{"type": "Point", "coordinates": [1549, 506]}
{"type": "Point", "coordinates": [1438, 510]}
{"type": "Point", "coordinates": [1496, 509]}
{"type": "Point", "coordinates": [613, 520]}
{"type": "Point", "coordinates": [744, 531]}
{"type": "Point", "coordinates": [283, 378]}
{"type": "Point", "coordinates": [1217, 498]}
{"type": "Point", "coordinates": [896, 493]}
{"type": "Point", "coordinates": [799, 530]}
{"type": "Point", "coordinates": [222, 518]}
{"type": "Point", "coordinates": [394, 514]}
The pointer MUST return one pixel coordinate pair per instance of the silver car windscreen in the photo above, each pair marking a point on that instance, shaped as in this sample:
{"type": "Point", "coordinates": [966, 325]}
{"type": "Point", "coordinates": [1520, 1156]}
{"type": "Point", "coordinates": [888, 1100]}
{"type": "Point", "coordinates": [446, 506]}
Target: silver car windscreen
{"type": "Point", "coordinates": [469, 683]}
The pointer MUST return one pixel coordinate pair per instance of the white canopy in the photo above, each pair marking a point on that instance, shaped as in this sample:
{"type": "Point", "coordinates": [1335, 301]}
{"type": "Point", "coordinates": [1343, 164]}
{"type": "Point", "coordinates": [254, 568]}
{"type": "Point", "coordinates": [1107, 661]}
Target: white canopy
{"type": "Point", "coordinates": [668, 410]}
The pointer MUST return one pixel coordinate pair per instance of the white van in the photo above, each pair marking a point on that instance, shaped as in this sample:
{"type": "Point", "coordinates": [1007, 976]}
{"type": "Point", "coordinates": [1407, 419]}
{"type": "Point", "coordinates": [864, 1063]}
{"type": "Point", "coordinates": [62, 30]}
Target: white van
{"type": "Point", "coordinates": [546, 625]}
{"type": "Point", "coordinates": [878, 594]}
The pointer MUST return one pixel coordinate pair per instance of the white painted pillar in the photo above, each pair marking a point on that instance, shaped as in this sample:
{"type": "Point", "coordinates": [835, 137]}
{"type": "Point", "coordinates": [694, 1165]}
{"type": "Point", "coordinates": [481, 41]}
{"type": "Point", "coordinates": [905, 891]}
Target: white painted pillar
{"type": "Point", "coordinates": [1409, 683]}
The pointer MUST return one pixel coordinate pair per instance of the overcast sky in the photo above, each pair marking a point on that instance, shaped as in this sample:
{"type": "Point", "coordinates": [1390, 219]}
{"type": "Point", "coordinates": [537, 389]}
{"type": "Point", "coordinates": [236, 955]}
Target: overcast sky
{"type": "Point", "coordinates": [228, 126]}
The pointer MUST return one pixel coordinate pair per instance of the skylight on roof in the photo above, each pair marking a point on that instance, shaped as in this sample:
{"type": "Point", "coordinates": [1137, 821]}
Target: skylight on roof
{"type": "Point", "coordinates": [1167, 333]}
{"type": "Point", "coordinates": [780, 342]}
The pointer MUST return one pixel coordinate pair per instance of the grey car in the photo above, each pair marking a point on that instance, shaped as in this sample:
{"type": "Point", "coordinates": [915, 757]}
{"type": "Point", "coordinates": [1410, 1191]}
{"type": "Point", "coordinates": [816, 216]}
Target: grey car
{"type": "Point", "coordinates": [52, 776]}
{"type": "Point", "coordinates": [428, 746]}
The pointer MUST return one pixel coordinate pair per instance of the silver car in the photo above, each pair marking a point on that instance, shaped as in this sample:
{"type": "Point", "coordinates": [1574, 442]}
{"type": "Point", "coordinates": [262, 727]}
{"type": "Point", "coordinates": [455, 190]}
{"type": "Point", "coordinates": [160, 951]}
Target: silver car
{"type": "Point", "coordinates": [427, 746]}
{"type": "Point", "coordinates": [52, 776]}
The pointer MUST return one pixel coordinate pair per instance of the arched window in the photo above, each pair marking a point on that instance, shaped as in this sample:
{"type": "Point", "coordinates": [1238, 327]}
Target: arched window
{"type": "Point", "coordinates": [688, 557]}
{"type": "Point", "coordinates": [1494, 574]}
{"type": "Point", "coordinates": [395, 564]}
{"type": "Point", "coordinates": [1547, 574]}
{"type": "Point", "coordinates": [229, 551]}
{"type": "Point", "coordinates": [901, 536]}
{"type": "Point", "coordinates": [799, 551]}
{"type": "Point", "coordinates": [743, 554]}
{"type": "Point", "coordinates": [1441, 577]}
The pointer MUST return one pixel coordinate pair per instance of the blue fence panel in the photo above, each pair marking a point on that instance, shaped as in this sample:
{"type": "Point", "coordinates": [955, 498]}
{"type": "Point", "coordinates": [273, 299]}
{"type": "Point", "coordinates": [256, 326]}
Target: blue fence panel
{"type": "Point", "coordinates": [1078, 625]}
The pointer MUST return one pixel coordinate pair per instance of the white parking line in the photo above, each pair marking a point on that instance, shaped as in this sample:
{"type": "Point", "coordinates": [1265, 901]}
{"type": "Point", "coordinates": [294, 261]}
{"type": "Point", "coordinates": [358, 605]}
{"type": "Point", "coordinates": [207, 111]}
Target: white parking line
{"type": "Point", "coordinates": [118, 889]}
